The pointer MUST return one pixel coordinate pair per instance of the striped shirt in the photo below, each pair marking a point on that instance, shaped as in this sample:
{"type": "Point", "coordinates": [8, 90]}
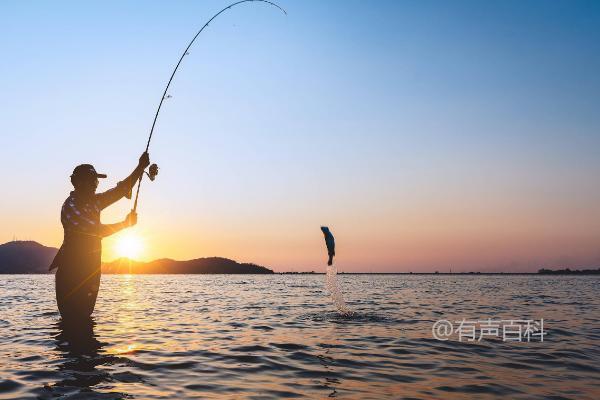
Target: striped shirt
{"type": "Point", "coordinates": [80, 217]}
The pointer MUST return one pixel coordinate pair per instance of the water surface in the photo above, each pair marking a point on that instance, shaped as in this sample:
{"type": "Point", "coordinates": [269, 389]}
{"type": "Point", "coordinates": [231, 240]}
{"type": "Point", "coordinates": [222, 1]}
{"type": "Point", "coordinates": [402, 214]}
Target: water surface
{"type": "Point", "coordinates": [257, 336]}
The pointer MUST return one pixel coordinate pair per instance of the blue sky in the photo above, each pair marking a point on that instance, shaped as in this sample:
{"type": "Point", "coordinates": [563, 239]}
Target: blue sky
{"type": "Point", "coordinates": [428, 134]}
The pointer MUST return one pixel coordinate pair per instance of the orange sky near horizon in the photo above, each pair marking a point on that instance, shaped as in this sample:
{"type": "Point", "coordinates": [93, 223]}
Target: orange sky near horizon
{"type": "Point", "coordinates": [420, 237]}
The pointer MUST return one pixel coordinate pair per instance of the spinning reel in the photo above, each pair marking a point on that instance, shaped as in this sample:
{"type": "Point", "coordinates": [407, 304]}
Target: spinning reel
{"type": "Point", "coordinates": [152, 172]}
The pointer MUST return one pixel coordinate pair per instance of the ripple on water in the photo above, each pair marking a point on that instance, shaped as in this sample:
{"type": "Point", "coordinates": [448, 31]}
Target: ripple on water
{"type": "Point", "coordinates": [9, 385]}
{"type": "Point", "coordinates": [347, 317]}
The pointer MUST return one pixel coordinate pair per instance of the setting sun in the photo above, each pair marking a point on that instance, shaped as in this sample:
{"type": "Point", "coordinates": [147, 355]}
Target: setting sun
{"type": "Point", "coordinates": [129, 245]}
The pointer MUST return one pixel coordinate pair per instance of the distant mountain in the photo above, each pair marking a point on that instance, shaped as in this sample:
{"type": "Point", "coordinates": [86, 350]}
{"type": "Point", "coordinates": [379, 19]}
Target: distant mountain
{"type": "Point", "coordinates": [210, 265]}
{"type": "Point", "coordinates": [25, 257]}
{"type": "Point", "coordinates": [28, 257]}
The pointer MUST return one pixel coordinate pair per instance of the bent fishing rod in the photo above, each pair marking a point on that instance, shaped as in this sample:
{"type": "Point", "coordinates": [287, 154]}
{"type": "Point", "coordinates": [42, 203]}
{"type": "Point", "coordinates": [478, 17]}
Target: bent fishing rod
{"type": "Point", "coordinates": [153, 168]}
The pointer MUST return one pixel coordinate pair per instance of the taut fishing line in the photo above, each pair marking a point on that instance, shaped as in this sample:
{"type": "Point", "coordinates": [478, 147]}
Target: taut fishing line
{"type": "Point", "coordinates": [332, 281]}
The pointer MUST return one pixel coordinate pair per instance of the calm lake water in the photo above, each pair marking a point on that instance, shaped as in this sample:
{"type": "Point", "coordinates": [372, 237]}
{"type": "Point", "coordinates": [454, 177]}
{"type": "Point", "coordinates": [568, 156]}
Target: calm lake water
{"type": "Point", "coordinates": [249, 336]}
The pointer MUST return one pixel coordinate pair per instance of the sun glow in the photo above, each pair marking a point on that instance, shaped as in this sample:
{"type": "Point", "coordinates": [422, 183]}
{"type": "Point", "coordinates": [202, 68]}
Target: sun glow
{"type": "Point", "coordinates": [129, 245]}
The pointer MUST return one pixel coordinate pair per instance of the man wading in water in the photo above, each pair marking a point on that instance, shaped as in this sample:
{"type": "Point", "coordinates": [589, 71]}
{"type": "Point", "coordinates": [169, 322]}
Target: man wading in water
{"type": "Point", "coordinates": [78, 259]}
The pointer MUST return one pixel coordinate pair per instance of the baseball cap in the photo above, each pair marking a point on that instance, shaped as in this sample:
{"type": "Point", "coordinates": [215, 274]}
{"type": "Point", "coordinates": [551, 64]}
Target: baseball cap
{"type": "Point", "coordinates": [86, 170]}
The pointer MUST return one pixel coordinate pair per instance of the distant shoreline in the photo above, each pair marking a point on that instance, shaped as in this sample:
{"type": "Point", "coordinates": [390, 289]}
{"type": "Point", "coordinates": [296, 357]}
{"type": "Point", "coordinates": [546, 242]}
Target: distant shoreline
{"type": "Point", "coordinates": [585, 273]}
{"type": "Point", "coordinates": [29, 257]}
{"type": "Point", "coordinates": [540, 272]}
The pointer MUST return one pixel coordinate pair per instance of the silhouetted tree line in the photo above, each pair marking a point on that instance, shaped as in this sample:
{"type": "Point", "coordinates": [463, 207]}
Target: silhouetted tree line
{"type": "Point", "coordinates": [568, 271]}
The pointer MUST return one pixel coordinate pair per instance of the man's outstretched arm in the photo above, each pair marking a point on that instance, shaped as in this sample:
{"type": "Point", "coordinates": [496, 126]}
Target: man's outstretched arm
{"type": "Point", "coordinates": [124, 187]}
{"type": "Point", "coordinates": [74, 221]}
{"type": "Point", "coordinates": [109, 229]}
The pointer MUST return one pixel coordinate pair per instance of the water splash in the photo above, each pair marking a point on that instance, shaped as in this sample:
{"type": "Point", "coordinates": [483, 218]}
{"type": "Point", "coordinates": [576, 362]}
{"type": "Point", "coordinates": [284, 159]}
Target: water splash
{"type": "Point", "coordinates": [332, 283]}
{"type": "Point", "coordinates": [335, 291]}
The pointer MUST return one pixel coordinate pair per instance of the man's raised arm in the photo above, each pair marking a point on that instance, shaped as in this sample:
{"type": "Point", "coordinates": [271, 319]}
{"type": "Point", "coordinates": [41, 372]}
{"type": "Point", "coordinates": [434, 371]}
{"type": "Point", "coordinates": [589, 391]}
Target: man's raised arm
{"type": "Point", "coordinates": [124, 187]}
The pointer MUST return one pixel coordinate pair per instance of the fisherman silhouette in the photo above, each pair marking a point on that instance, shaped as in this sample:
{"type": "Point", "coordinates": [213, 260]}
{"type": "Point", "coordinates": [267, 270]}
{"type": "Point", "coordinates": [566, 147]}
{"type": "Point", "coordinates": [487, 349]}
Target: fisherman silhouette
{"type": "Point", "coordinates": [78, 259]}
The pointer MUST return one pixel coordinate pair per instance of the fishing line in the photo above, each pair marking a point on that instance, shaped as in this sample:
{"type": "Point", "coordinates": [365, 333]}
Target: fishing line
{"type": "Point", "coordinates": [164, 96]}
